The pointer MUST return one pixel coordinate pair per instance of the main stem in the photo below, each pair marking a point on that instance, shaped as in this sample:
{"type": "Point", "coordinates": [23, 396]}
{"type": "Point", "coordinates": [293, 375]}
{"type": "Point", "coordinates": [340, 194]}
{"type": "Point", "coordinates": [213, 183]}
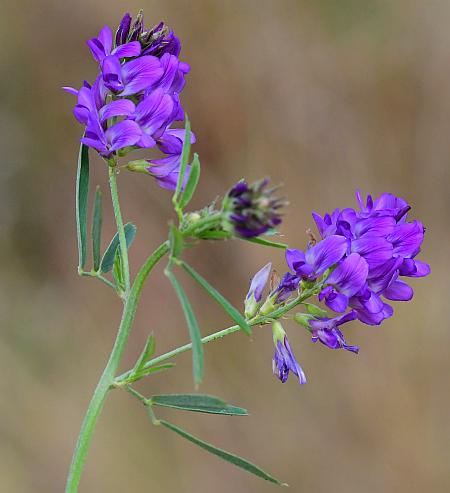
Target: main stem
{"type": "Point", "coordinates": [131, 301]}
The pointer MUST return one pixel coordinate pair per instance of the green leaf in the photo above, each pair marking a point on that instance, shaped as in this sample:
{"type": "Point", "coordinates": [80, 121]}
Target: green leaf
{"type": "Point", "coordinates": [186, 152]}
{"type": "Point", "coordinates": [108, 257]}
{"type": "Point", "coordinates": [234, 459]}
{"type": "Point", "coordinates": [224, 303]}
{"type": "Point", "coordinates": [147, 353]}
{"type": "Point", "coordinates": [197, 402]}
{"type": "Point", "coordinates": [147, 371]}
{"type": "Point", "coordinates": [194, 330]}
{"type": "Point", "coordinates": [176, 241]}
{"type": "Point", "coordinates": [118, 271]}
{"type": "Point", "coordinates": [192, 182]}
{"type": "Point", "coordinates": [97, 228]}
{"type": "Point", "coordinates": [82, 191]}
{"type": "Point", "coordinates": [262, 241]}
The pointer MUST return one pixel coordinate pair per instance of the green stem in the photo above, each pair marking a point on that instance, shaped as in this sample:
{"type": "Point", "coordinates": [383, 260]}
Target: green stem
{"type": "Point", "coordinates": [279, 312]}
{"type": "Point", "coordinates": [120, 228]}
{"type": "Point", "coordinates": [107, 378]}
{"type": "Point", "coordinates": [96, 275]}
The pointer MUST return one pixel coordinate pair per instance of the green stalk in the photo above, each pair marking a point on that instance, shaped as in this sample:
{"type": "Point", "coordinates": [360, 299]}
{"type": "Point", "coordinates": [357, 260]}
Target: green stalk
{"type": "Point", "coordinates": [107, 378]}
{"type": "Point", "coordinates": [278, 313]}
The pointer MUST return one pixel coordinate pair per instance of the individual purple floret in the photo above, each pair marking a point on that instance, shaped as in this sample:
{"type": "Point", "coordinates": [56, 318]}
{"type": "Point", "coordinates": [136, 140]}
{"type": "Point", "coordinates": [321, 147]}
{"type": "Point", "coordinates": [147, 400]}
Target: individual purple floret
{"type": "Point", "coordinates": [326, 331]}
{"type": "Point", "coordinates": [284, 360]}
{"type": "Point", "coordinates": [136, 96]}
{"type": "Point", "coordinates": [252, 210]}
{"type": "Point", "coordinates": [255, 292]}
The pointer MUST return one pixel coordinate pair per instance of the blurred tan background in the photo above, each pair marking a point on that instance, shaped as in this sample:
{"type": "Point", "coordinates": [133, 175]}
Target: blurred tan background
{"type": "Point", "coordinates": [324, 96]}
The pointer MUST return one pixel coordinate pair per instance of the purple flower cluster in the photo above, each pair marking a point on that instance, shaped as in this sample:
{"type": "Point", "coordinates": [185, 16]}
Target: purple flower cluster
{"type": "Point", "coordinates": [135, 98]}
{"type": "Point", "coordinates": [357, 266]}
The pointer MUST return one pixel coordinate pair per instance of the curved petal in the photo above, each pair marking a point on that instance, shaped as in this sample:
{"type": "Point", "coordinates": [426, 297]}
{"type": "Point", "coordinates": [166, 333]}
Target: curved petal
{"type": "Point", "coordinates": [259, 282]}
{"type": "Point", "coordinates": [294, 258]}
{"type": "Point", "coordinates": [112, 73]}
{"type": "Point", "coordinates": [407, 239]}
{"type": "Point", "coordinates": [398, 291]}
{"type": "Point", "coordinates": [140, 73]}
{"type": "Point", "coordinates": [326, 253]}
{"type": "Point", "coordinates": [337, 302]}
{"type": "Point", "coordinates": [119, 107]}
{"type": "Point", "coordinates": [376, 250]}
{"type": "Point", "coordinates": [414, 268]}
{"type": "Point", "coordinates": [123, 134]}
{"type": "Point", "coordinates": [350, 275]}
{"type": "Point", "coordinates": [128, 50]}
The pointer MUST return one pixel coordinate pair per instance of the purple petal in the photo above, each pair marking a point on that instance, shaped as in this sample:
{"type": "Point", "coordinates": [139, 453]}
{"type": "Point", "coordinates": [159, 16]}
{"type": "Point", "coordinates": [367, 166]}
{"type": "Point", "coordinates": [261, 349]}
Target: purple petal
{"type": "Point", "coordinates": [326, 253]}
{"type": "Point", "coordinates": [127, 50]}
{"type": "Point", "coordinates": [119, 107]}
{"type": "Point", "coordinates": [398, 291]}
{"type": "Point", "coordinates": [407, 238]}
{"type": "Point", "coordinates": [295, 258]}
{"type": "Point", "coordinates": [153, 111]}
{"type": "Point", "coordinates": [374, 249]}
{"type": "Point", "coordinates": [259, 282]}
{"type": "Point", "coordinates": [171, 142]}
{"type": "Point", "coordinates": [414, 268]}
{"type": "Point", "coordinates": [112, 73]}
{"type": "Point", "coordinates": [123, 134]}
{"type": "Point", "coordinates": [350, 275]}
{"type": "Point", "coordinates": [140, 73]}
{"type": "Point", "coordinates": [70, 90]}
{"type": "Point", "coordinates": [337, 302]}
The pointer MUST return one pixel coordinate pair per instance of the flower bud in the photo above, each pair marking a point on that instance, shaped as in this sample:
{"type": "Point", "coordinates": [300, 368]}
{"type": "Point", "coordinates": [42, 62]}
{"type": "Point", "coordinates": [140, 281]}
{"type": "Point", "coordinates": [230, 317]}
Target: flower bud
{"type": "Point", "coordinates": [252, 210]}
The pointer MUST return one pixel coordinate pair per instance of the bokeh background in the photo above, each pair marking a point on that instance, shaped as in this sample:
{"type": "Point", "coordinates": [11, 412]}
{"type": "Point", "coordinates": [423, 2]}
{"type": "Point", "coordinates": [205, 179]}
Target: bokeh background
{"type": "Point", "coordinates": [324, 96]}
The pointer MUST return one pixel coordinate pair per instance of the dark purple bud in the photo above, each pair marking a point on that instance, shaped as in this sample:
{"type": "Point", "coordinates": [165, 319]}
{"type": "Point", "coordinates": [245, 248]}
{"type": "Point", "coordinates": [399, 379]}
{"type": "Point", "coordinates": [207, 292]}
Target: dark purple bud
{"type": "Point", "coordinates": [252, 210]}
{"type": "Point", "coordinates": [123, 30]}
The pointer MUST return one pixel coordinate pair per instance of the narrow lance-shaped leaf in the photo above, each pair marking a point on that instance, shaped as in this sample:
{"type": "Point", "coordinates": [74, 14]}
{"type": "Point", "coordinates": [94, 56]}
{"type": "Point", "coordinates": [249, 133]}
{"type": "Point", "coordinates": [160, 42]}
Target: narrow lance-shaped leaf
{"type": "Point", "coordinates": [147, 353]}
{"type": "Point", "coordinates": [82, 191]}
{"type": "Point", "coordinates": [234, 459]}
{"type": "Point", "coordinates": [198, 403]}
{"type": "Point", "coordinates": [186, 152]}
{"type": "Point", "coordinates": [262, 241]}
{"type": "Point", "coordinates": [108, 257]}
{"type": "Point", "coordinates": [223, 302]}
{"type": "Point", "coordinates": [97, 220]}
{"type": "Point", "coordinates": [148, 371]}
{"type": "Point", "coordinates": [192, 182]}
{"type": "Point", "coordinates": [194, 330]}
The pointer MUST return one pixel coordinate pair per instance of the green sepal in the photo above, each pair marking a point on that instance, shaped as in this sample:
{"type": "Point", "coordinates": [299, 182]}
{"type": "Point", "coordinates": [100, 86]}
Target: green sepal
{"type": "Point", "coordinates": [315, 310]}
{"type": "Point", "coordinates": [303, 319]}
{"type": "Point", "coordinates": [223, 302]}
{"type": "Point", "coordinates": [81, 200]}
{"type": "Point", "coordinates": [107, 261]}
{"type": "Point", "coordinates": [97, 219]}
{"type": "Point", "coordinates": [229, 457]}
{"type": "Point", "coordinates": [215, 235]}
{"type": "Point", "coordinates": [200, 403]}
{"type": "Point", "coordinates": [194, 330]}
{"type": "Point", "coordinates": [191, 184]}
